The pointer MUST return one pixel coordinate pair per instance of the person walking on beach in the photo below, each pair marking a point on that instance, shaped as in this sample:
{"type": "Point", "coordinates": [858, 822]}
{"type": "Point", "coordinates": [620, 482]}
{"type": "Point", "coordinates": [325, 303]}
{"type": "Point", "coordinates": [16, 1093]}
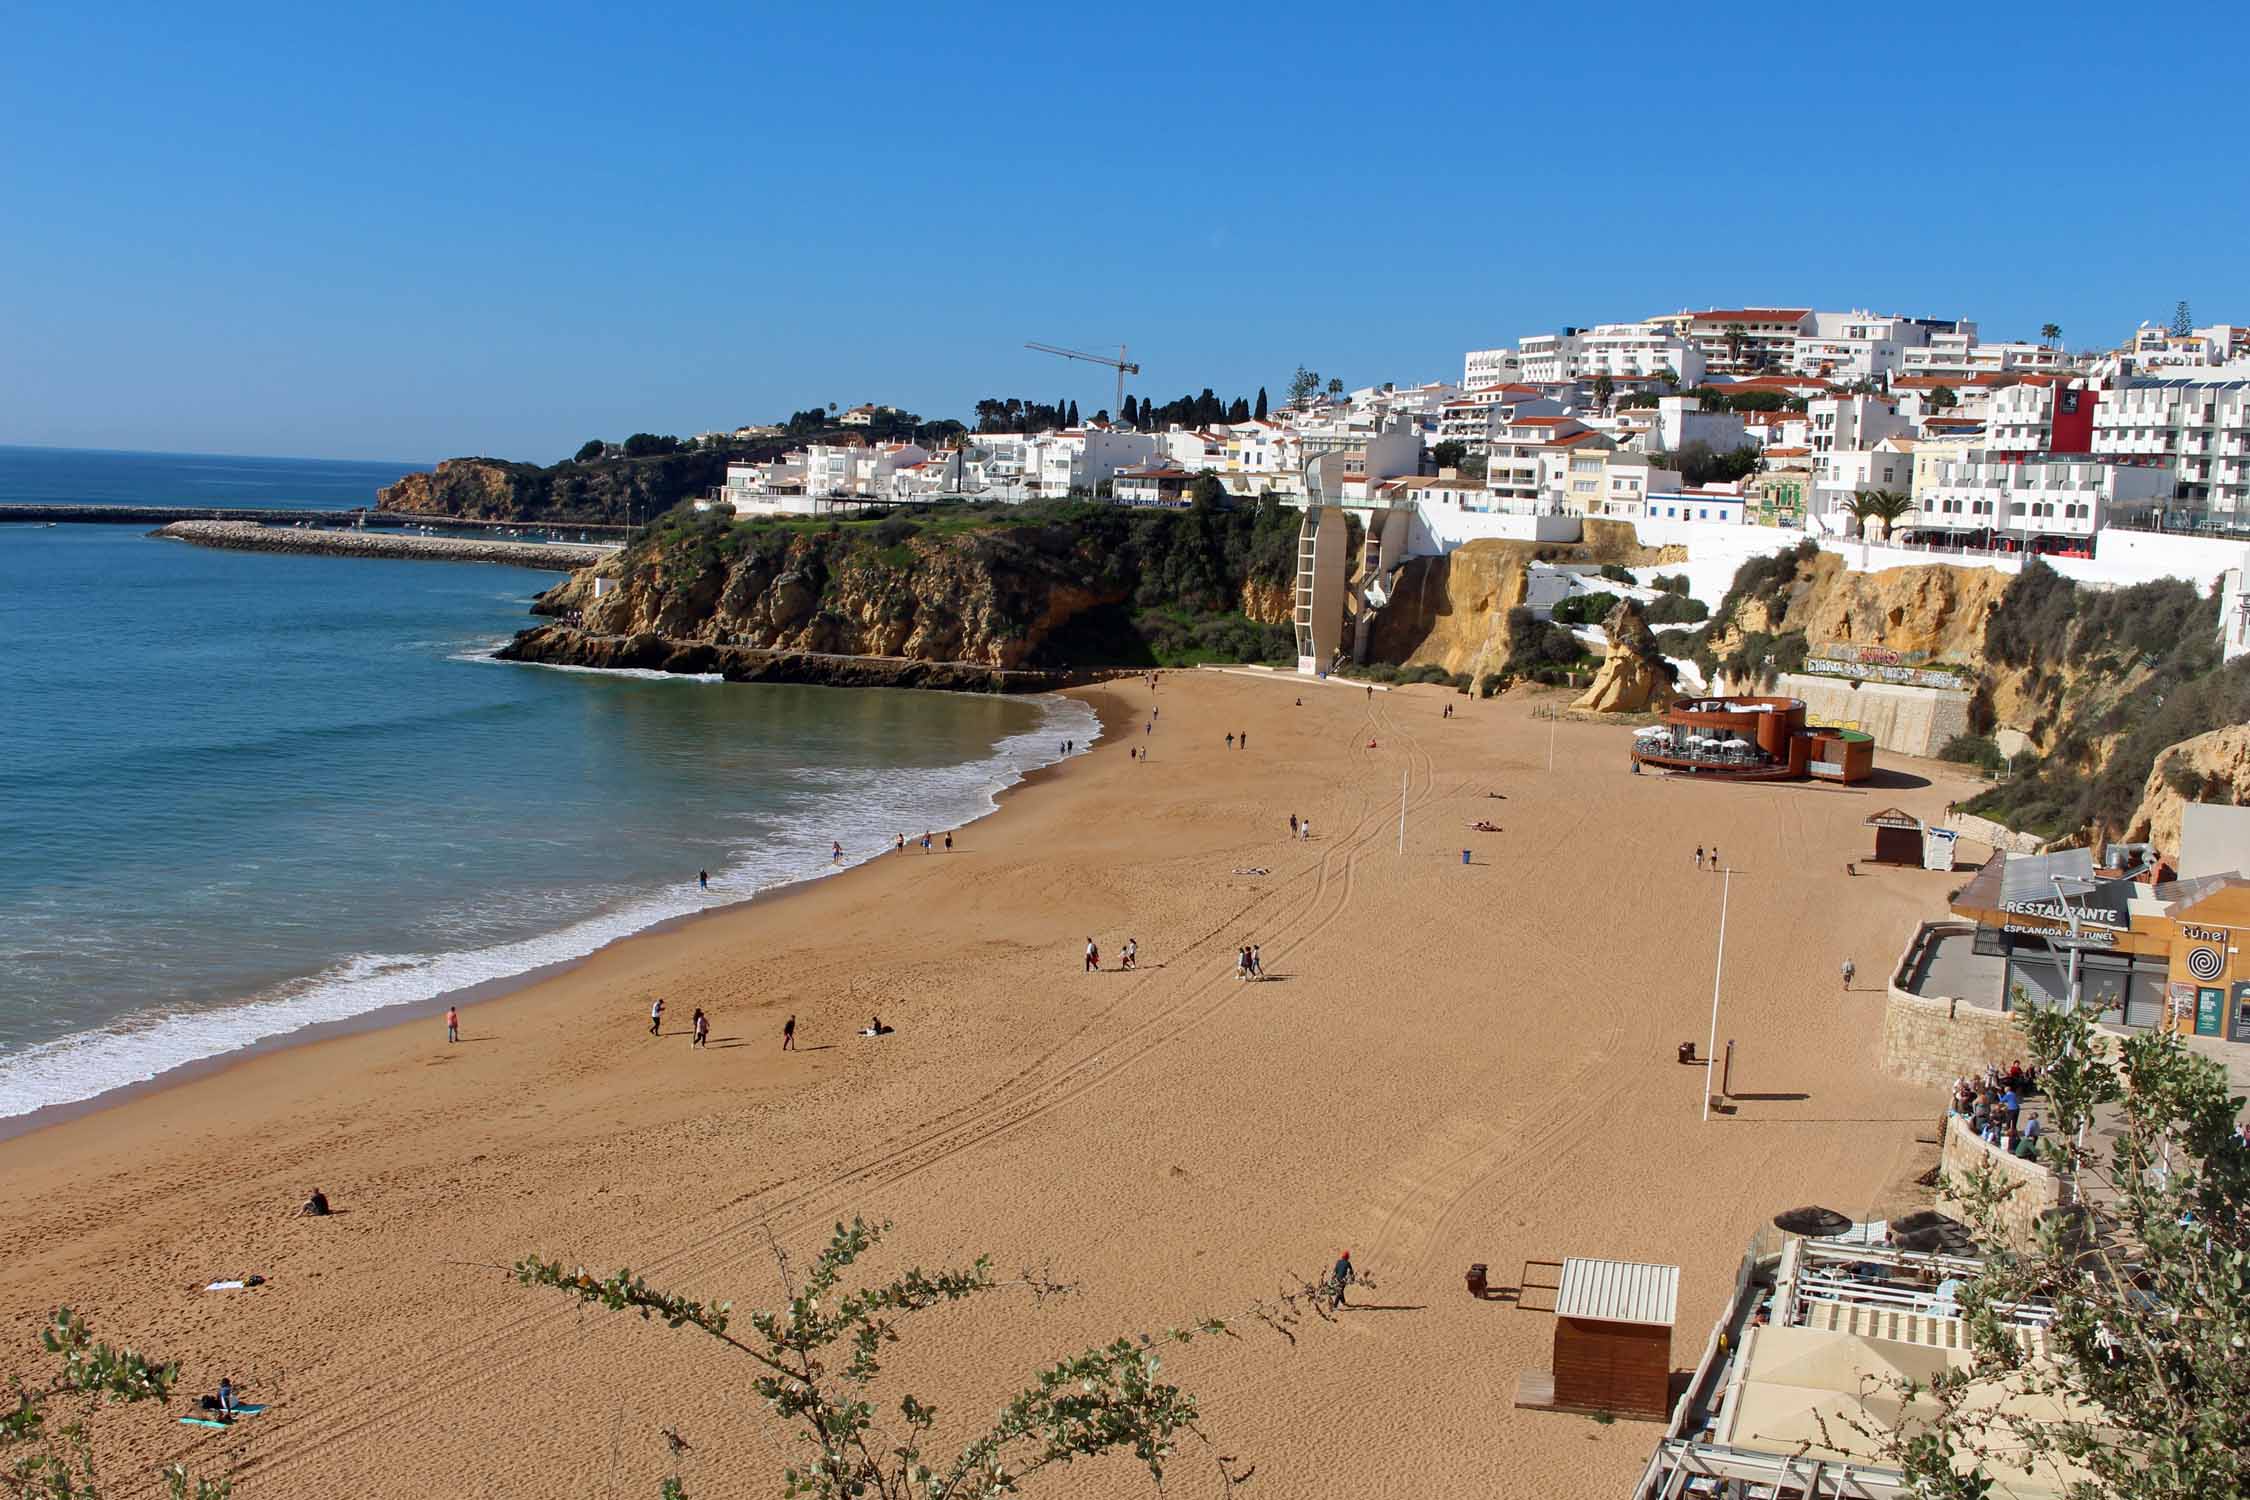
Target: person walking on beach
{"type": "Point", "coordinates": [1714, 856]}
{"type": "Point", "coordinates": [656, 1017]}
{"type": "Point", "coordinates": [1230, 739]}
{"type": "Point", "coordinates": [1342, 1276]}
{"type": "Point", "coordinates": [1093, 957]}
{"type": "Point", "coordinates": [836, 851]}
{"type": "Point", "coordinates": [453, 1023]}
{"type": "Point", "coordinates": [703, 879]}
{"type": "Point", "coordinates": [1244, 742]}
{"type": "Point", "coordinates": [1131, 957]}
{"type": "Point", "coordinates": [1848, 972]}
{"type": "Point", "coordinates": [925, 841]}
{"type": "Point", "coordinates": [902, 843]}
{"type": "Point", "coordinates": [789, 1035]}
{"type": "Point", "coordinates": [1257, 963]}
{"type": "Point", "coordinates": [1699, 856]}
{"type": "Point", "coordinates": [949, 841]}
{"type": "Point", "coordinates": [1304, 830]}
{"type": "Point", "coordinates": [702, 1028]}
{"type": "Point", "coordinates": [1242, 962]}
{"type": "Point", "coordinates": [1292, 825]}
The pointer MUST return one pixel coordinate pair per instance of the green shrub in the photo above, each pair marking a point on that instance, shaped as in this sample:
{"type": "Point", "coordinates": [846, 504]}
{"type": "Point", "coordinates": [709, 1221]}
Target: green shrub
{"type": "Point", "coordinates": [1673, 609]}
{"type": "Point", "coordinates": [1584, 609]}
{"type": "Point", "coordinates": [1670, 583]}
{"type": "Point", "coordinates": [1615, 572]}
{"type": "Point", "coordinates": [1973, 750]}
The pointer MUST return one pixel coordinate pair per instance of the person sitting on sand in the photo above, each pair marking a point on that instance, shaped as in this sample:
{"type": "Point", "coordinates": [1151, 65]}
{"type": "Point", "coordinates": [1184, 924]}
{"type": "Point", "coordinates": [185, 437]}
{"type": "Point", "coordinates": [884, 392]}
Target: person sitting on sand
{"type": "Point", "coordinates": [875, 1027]}
{"type": "Point", "coordinates": [316, 1205]}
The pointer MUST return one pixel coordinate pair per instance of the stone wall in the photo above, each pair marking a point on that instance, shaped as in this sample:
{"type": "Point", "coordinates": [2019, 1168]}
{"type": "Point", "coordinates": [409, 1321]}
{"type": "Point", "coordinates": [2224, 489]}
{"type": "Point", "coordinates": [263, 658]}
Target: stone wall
{"type": "Point", "coordinates": [1934, 1039]}
{"type": "Point", "coordinates": [1993, 835]}
{"type": "Point", "coordinates": [2037, 1190]}
{"type": "Point", "coordinates": [1913, 721]}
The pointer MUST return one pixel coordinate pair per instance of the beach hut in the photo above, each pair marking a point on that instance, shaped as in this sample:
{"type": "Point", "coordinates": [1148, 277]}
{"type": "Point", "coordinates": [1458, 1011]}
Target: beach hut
{"type": "Point", "coordinates": [1613, 1340]}
{"type": "Point", "coordinates": [1898, 837]}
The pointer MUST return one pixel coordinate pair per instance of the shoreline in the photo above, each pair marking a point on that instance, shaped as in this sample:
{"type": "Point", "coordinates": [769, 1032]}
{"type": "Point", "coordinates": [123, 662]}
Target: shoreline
{"type": "Point", "coordinates": [1109, 716]}
{"type": "Point", "coordinates": [1449, 1062]}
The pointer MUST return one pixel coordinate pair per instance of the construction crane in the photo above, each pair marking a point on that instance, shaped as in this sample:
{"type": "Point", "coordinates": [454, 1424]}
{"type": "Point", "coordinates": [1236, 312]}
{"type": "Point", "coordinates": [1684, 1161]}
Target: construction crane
{"type": "Point", "coordinates": [1118, 364]}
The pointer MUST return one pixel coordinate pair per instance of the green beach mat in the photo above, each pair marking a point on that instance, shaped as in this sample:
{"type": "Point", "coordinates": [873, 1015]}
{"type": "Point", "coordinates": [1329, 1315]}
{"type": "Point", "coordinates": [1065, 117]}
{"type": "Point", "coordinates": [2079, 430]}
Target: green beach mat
{"type": "Point", "coordinates": [239, 1413]}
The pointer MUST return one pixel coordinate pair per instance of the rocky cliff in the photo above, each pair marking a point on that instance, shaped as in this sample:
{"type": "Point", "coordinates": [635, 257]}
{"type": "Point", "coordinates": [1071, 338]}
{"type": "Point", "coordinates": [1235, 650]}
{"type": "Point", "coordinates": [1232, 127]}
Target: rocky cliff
{"type": "Point", "coordinates": [2212, 767]}
{"type": "Point", "coordinates": [1033, 588]}
{"type": "Point", "coordinates": [1926, 614]}
{"type": "Point", "coordinates": [605, 490]}
{"type": "Point", "coordinates": [1633, 677]}
{"type": "Point", "coordinates": [1452, 611]}
{"type": "Point", "coordinates": [990, 598]}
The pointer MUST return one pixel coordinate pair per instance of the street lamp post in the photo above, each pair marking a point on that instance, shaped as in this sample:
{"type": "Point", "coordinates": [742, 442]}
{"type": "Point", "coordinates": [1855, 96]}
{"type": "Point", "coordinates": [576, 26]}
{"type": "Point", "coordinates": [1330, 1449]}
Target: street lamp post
{"type": "Point", "coordinates": [1710, 1048]}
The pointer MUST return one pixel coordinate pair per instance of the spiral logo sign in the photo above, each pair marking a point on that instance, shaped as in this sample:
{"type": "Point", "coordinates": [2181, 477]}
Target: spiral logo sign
{"type": "Point", "coordinates": [2206, 963]}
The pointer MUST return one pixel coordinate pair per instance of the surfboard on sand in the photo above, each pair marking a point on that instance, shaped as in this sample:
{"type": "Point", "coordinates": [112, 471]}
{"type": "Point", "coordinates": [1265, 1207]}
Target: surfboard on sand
{"type": "Point", "coordinates": [244, 1410]}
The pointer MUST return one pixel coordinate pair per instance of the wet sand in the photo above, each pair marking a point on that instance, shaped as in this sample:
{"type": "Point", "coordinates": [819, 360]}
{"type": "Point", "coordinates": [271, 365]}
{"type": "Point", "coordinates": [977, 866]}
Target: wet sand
{"type": "Point", "coordinates": [1448, 1064]}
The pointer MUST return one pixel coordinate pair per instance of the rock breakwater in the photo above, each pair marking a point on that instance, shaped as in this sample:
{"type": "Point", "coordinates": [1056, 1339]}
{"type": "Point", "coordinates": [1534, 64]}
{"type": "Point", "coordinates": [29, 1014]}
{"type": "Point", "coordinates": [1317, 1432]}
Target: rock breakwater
{"type": "Point", "coordinates": [244, 536]}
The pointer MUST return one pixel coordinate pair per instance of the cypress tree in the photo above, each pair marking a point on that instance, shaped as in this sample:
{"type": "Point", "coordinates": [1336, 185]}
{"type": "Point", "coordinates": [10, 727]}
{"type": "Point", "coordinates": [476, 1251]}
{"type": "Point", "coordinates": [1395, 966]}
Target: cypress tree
{"type": "Point", "coordinates": [1126, 413]}
{"type": "Point", "coordinates": [1260, 412]}
{"type": "Point", "coordinates": [1239, 412]}
{"type": "Point", "coordinates": [1074, 414]}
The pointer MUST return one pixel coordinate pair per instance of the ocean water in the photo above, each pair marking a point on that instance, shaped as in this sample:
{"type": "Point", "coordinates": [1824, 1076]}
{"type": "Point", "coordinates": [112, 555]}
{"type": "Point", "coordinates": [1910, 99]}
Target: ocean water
{"type": "Point", "coordinates": [243, 793]}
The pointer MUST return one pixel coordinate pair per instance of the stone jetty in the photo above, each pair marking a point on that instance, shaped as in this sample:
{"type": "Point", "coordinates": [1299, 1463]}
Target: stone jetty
{"type": "Point", "coordinates": [243, 536]}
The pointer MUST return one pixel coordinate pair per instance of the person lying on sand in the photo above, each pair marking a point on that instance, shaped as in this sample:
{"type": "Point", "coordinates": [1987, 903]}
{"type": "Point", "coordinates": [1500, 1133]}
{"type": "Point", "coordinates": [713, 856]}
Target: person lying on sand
{"type": "Point", "coordinates": [1481, 826]}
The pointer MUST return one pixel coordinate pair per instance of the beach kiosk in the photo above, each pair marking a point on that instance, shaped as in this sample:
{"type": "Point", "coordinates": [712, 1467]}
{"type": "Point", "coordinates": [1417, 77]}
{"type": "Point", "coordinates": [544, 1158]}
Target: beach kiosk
{"type": "Point", "coordinates": [1613, 1340]}
{"type": "Point", "coordinates": [1898, 837]}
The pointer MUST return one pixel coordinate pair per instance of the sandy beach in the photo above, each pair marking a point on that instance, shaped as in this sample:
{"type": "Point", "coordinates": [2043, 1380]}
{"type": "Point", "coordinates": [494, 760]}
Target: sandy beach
{"type": "Point", "coordinates": [1447, 1064]}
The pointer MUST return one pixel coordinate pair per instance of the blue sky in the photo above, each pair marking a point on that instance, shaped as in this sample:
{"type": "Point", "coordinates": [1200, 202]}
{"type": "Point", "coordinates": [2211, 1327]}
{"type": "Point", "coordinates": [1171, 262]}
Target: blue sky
{"type": "Point", "coordinates": [416, 231]}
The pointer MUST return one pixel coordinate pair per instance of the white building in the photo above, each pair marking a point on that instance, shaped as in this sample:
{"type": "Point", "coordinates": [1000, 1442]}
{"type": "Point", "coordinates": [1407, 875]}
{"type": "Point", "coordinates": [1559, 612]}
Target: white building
{"type": "Point", "coordinates": [1586, 481]}
{"type": "Point", "coordinates": [1681, 420]}
{"type": "Point", "coordinates": [1476, 417]}
{"type": "Point", "coordinates": [1490, 367]}
{"type": "Point", "coordinates": [1956, 357]}
{"type": "Point", "coordinates": [1839, 474]}
{"type": "Point", "coordinates": [1860, 345]}
{"type": "Point", "coordinates": [2201, 426]}
{"type": "Point", "coordinates": [1637, 349]}
{"type": "Point", "coordinates": [1717, 505]}
{"type": "Point", "coordinates": [2064, 497]}
{"type": "Point", "coordinates": [1517, 470]}
{"type": "Point", "coordinates": [1846, 422]}
{"type": "Point", "coordinates": [1078, 461]}
{"type": "Point", "coordinates": [1550, 357]}
{"type": "Point", "coordinates": [1742, 340]}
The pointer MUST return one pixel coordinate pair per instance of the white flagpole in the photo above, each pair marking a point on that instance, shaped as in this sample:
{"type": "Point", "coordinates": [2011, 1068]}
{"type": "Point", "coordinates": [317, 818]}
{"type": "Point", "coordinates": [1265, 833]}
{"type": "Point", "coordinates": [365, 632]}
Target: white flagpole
{"type": "Point", "coordinates": [1402, 812]}
{"type": "Point", "coordinates": [1709, 1061]}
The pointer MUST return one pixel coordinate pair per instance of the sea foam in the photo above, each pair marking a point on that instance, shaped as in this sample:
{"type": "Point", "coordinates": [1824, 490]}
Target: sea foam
{"type": "Point", "coordinates": [864, 814]}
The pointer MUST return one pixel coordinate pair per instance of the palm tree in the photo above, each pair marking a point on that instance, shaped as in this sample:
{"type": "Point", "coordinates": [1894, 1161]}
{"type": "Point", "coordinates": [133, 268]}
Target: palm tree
{"type": "Point", "coordinates": [1735, 333]}
{"type": "Point", "coordinates": [1604, 388]}
{"type": "Point", "coordinates": [2050, 333]}
{"type": "Point", "coordinates": [1878, 508]}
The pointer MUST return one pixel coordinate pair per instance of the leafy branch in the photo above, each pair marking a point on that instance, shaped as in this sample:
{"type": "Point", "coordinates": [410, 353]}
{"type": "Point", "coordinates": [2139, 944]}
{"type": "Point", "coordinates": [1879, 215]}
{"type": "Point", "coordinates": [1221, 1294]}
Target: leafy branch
{"type": "Point", "coordinates": [818, 1358]}
{"type": "Point", "coordinates": [48, 1452]}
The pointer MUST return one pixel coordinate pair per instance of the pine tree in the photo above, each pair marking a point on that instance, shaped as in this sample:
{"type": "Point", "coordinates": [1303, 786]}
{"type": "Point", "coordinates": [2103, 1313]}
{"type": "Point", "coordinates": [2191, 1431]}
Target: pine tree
{"type": "Point", "coordinates": [1239, 411]}
{"type": "Point", "coordinates": [1208, 409]}
{"type": "Point", "coordinates": [1260, 411]}
{"type": "Point", "coordinates": [2183, 322]}
{"type": "Point", "coordinates": [1074, 414]}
